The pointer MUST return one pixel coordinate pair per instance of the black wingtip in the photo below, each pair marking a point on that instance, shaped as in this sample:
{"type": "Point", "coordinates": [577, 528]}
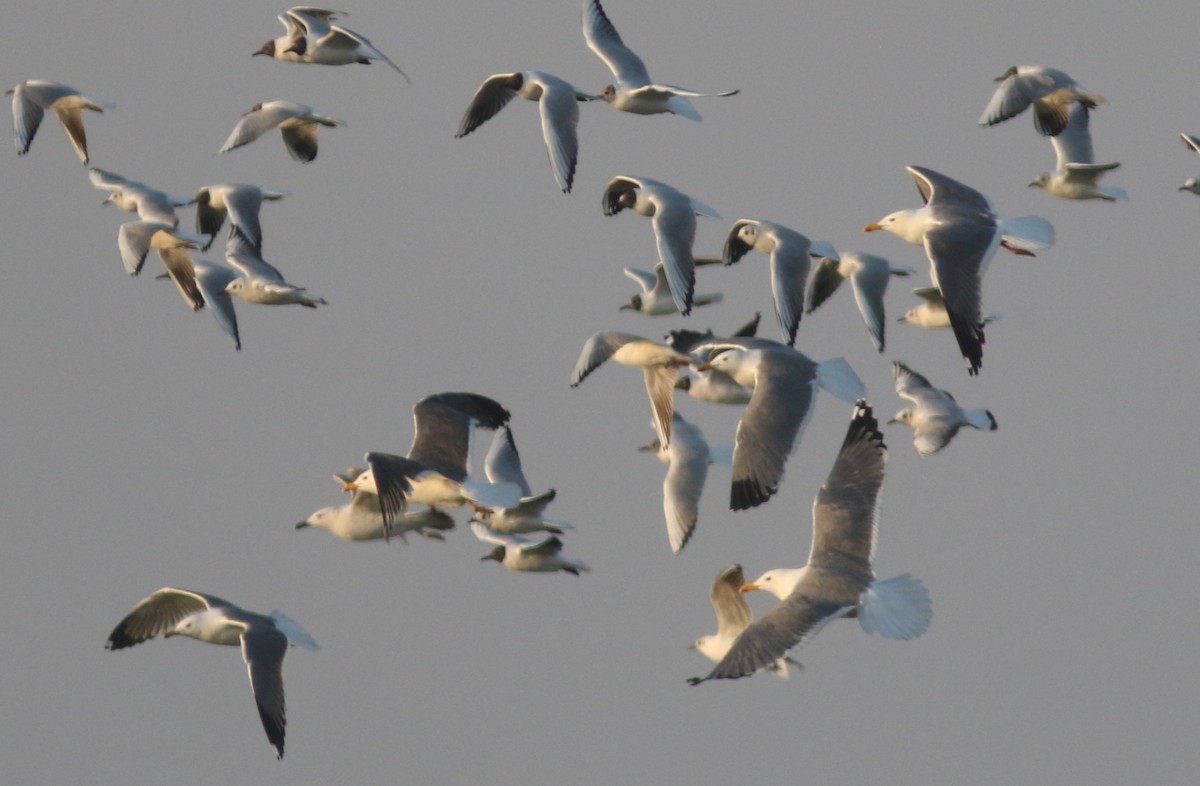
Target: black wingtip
{"type": "Point", "coordinates": [747, 493]}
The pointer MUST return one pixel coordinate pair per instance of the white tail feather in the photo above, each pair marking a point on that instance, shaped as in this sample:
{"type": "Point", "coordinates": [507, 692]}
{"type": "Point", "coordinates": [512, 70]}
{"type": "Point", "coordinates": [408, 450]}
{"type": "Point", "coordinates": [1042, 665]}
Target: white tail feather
{"type": "Point", "coordinates": [981, 419]}
{"type": "Point", "coordinates": [1030, 233]}
{"type": "Point", "coordinates": [836, 377]}
{"type": "Point", "coordinates": [896, 608]}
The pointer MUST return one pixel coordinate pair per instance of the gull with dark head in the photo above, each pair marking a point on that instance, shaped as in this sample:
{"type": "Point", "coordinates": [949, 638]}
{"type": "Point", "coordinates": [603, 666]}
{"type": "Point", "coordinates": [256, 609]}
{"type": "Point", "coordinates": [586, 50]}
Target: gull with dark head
{"type": "Point", "coordinates": [839, 577]}
{"type": "Point", "coordinates": [264, 640]}
{"type": "Point", "coordinates": [240, 202]}
{"type": "Point", "coordinates": [503, 465]}
{"type": "Point", "coordinates": [633, 91]}
{"type": "Point", "coordinates": [655, 299]}
{"type": "Point", "coordinates": [312, 38]}
{"type": "Point", "coordinates": [33, 97]}
{"type": "Point", "coordinates": [525, 555]}
{"type": "Point", "coordinates": [1049, 91]}
{"type": "Point", "coordinates": [868, 275]}
{"type": "Point", "coordinates": [935, 417]}
{"type": "Point", "coordinates": [297, 123]}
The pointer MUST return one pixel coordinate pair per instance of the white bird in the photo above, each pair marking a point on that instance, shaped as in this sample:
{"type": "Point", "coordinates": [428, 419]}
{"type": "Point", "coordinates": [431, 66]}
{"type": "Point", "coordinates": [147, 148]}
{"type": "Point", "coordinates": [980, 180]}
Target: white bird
{"type": "Point", "coordinates": [1193, 144]}
{"type": "Point", "coordinates": [240, 202]}
{"type": "Point", "coordinates": [733, 616]}
{"type": "Point", "coordinates": [655, 299]}
{"type": "Point", "coordinates": [503, 465]}
{"type": "Point", "coordinates": [785, 386]}
{"type": "Point", "coordinates": [557, 102]}
{"type": "Point", "coordinates": [1050, 91]}
{"type": "Point", "coordinates": [264, 640]}
{"type": "Point", "coordinates": [135, 239]}
{"type": "Point", "coordinates": [960, 231]}
{"type": "Point", "coordinates": [932, 311]}
{"type": "Point", "coordinates": [711, 385]}
{"type": "Point", "coordinates": [33, 97]}
{"type": "Point", "coordinates": [687, 459]}
{"type": "Point", "coordinates": [259, 281]}
{"type": "Point", "coordinates": [297, 123]}
{"type": "Point", "coordinates": [936, 416]}
{"type": "Point", "coordinates": [869, 276]}
{"type": "Point", "coordinates": [310, 38]}
{"type": "Point", "coordinates": [149, 203]}
{"type": "Point", "coordinates": [435, 471]}
{"type": "Point", "coordinates": [658, 362]}
{"type": "Point", "coordinates": [839, 577]}
{"type": "Point", "coordinates": [789, 253]}
{"type": "Point", "coordinates": [362, 517]}
{"type": "Point", "coordinates": [633, 90]}
{"type": "Point", "coordinates": [1076, 174]}
{"type": "Point", "coordinates": [522, 554]}
{"type": "Point", "coordinates": [673, 215]}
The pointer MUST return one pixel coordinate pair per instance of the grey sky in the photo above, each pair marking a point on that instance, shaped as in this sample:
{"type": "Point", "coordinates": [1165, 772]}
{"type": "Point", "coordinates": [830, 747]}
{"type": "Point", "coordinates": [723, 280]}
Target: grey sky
{"type": "Point", "coordinates": [140, 450]}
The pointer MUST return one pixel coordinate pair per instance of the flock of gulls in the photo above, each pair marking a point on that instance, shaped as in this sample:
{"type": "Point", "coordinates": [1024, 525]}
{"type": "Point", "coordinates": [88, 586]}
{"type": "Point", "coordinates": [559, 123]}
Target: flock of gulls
{"type": "Point", "coordinates": [775, 385]}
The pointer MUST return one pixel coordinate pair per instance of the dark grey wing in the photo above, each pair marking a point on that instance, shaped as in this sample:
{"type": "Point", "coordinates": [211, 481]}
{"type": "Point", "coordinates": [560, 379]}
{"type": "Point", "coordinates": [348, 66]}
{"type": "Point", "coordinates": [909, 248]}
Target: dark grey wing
{"type": "Point", "coordinates": [958, 250]}
{"type": "Point", "coordinates": [393, 475]}
{"type": "Point", "coordinates": [441, 439]}
{"type": "Point", "coordinates": [179, 268]}
{"type": "Point", "coordinates": [263, 648]}
{"type": "Point", "coordinates": [733, 613]}
{"type": "Point", "coordinates": [784, 394]}
{"type": "Point", "coordinates": [486, 412]}
{"type": "Point", "coordinates": [503, 463]}
{"type": "Point", "coordinates": [747, 330]}
{"type": "Point", "coordinates": [846, 509]}
{"type": "Point", "coordinates": [300, 141]}
{"type": "Point", "coordinates": [208, 218]}
{"type": "Point", "coordinates": [492, 96]}
{"type": "Point", "coordinates": [793, 620]}
{"type": "Point", "coordinates": [735, 247]}
{"type": "Point", "coordinates": [789, 273]}
{"type": "Point", "coordinates": [936, 187]}
{"type": "Point", "coordinates": [617, 188]}
{"type": "Point", "coordinates": [597, 349]}
{"type": "Point", "coordinates": [157, 614]}
{"type": "Point", "coordinates": [825, 281]}
{"type": "Point", "coordinates": [27, 116]}
{"type": "Point", "coordinates": [682, 341]}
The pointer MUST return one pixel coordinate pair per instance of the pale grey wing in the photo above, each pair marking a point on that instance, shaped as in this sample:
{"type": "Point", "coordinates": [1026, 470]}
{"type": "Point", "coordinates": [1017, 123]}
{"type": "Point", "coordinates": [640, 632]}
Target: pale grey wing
{"type": "Point", "coordinates": [674, 232]}
{"type": "Point", "coordinates": [499, 538]}
{"type": "Point", "coordinates": [153, 205]}
{"type": "Point", "coordinates": [846, 510]}
{"type": "Point", "coordinates": [300, 141]}
{"type": "Point", "coordinates": [793, 620]}
{"type": "Point", "coordinates": [212, 280]}
{"type": "Point", "coordinates": [243, 204]}
{"type": "Point", "coordinates": [1086, 173]}
{"type": "Point", "coordinates": [257, 122]}
{"type": "Point", "coordinates": [825, 281]}
{"type": "Point", "coordinates": [392, 480]}
{"type": "Point", "coordinates": [597, 349]}
{"type": "Point", "coordinates": [241, 253]}
{"type": "Point", "coordinates": [349, 40]}
{"type": "Point", "coordinates": [263, 648]}
{"type": "Point", "coordinates": [647, 281]}
{"type": "Point", "coordinates": [735, 248]}
{"type": "Point", "coordinates": [789, 272]}
{"type": "Point", "coordinates": [936, 187]}
{"type": "Point", "coordinates": [503, 463]}
{"type": "Point", "coordinates": [1019, 90]}
{"type": "Point", "coordinates": [728, 601]}
{"type": "Point", "coordinates": [362, 501]}
{"type": "Point", "coordinates": [492, 96]}
{"type": "Point", "coordinates": [109, 181]}
{"type": "Point", "coordinates": [307, 21]}
{"type": "Point", "coordinates": [869, 283]}
{"type": "Point", "coordinates": [958, 250]}
{"type": "Point", "coordinates": [1074, 144]}
{"type": "Point", "coordinates": [560, 118]}
{"type": "Point", "coordinates": [911, 385]}
{"type": "Point", "coordinates": [157, 614]}
{"type": "Point", "coordinates": [72, 121]}
{"type": "Point", "coordinates": [27, 116]}
{"type": "Point", "coordinates": [183, 274]}
{"type": "Point", "coordinates": [133, 240]}
{"type": "Point", "coordinates": [684, 483]}
{"type": "Point", "coordinates": [660, 387]}
{"type": "Point", "coordinates": [603, 39]}
{"type": "Point", "coordinates": [931, 295]}
{"type": "Point", "coordinates": [934, 434]}
{"type": "Point", "coordinates": [785, 392]}
{"type": "Point", "coordinates": [1012, 97]}
{"type": "Point", "coordinates": [1192, 142]}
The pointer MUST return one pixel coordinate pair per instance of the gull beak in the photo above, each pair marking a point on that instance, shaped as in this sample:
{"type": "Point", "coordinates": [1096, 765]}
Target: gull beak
{"type": "Point", "coordinates": [704, 367]}
{"type": "Point", "coordinates": [351, 486]}
{"type": "Point", "coordinates": [750, 587]}
{"type": "Point", "coordinates": [871, 227]}
{"type": "Point", "coordinates": [302, 525]}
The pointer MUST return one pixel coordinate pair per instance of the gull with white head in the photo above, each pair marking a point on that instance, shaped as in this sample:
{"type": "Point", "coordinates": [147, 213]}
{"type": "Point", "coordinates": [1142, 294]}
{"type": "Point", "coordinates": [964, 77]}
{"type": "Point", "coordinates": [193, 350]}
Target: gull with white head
{"type": "Point", "coordinates": [503, 465]}
{"type": "Point", "coordinates": [932, 311]}
{"type": "Point", "coordinates": [264, 640]}
{"type": "Point", "coordinates": [1076, 174]}
{"type": "Point", "coordinates": [362, 517]}
{"type": "Point", "coordinates": [33, 97]}
{"type": "Point", "coordinates": [149, 203]}
{"type": "Point", "coordinates": [935, 417]}
{"type": "Point", "coordinates": [839, 578]}
{"type": "Point", "coordinates": [869, 276]}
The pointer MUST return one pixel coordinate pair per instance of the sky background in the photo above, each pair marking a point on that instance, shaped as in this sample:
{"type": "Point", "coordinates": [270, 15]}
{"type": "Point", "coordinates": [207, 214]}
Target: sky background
{"type": "Point", "coordinates": [140, 450]}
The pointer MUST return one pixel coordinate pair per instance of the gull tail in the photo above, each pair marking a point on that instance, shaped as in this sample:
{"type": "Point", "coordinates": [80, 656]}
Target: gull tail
{"type": "Point", "coordinates": [683, 107]}
{"type": "Point", "coordinates": [297, 636]}
{"type": "Point", "coordinates": [1028, 233]}
{"type": "Point", "coordinates": [836, 377]}
{"type": "Point", "coordinates": [980, 419]}
{"type": "Point", "coordinates": [896, 608]}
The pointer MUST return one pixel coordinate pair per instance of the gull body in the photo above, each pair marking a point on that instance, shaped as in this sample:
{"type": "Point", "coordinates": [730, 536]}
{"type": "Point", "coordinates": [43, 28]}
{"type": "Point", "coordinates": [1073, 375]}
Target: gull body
{"type": "Point", "coordinates": [1193, 144]}
{"type": "Point", "coordinates": [687, 459]}
{"type": "Point", "coordinates": [633, 90]}
{"type": "Point", "coordinates": [33, 97]}
{"type": "Point", "coordinates": [312, 38]}
{"type": "Point", "coordinates": [503, 465]}
{"type": "Point", "coordinates": [297, 123]}
{"type": "Point", "coordinates": [1076, 174]}
{"type": "Point", "coordinates": [525, 555]}
{"type": "Point", "coordinates": [264, 640]}
{"type": "Point", "coordinates": [932, 311]}
{"type": "Point", "coordinates": [868, 275]}
{"type": "Point", "coordinates": [134, 197]}
{"type": "Point", "coordinates": [839, 576]}
{"type": "Point", "coordinates": [655, 299]}
{"type": "Point", "coordinates": [1049, 91]}
{"type": "Point", "coordinates": [259, 281]}
{"type": "Point", "coordinates": [935, 417]}
{"type": "Point", "coordinates": [240, 202]}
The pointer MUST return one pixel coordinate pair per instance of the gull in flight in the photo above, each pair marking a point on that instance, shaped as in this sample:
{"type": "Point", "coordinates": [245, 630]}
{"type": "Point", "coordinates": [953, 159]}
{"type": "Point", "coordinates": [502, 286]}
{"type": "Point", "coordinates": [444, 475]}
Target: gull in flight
{"type": "Point", "coordinates": [134, 197]}
{"type": "Point", "coordinates": [789, 251]}
{"type": "Point", "coordinates": [311, 38]}
{"type": "Point", "coordinates": [1050, 91]}
{"type": "Point", "coordinates": [633, 90]}
{"type": "Point", "coordinates": [687, 459]}
{"type": "Point", "coordinates": [960, 231]}
{"type": "Point", "coordinates": [733, 617]}
{"type": "Point", "coordinates": [558, 103]}
{"type": "Point", "coordinates": [785, 385]}
{"type": "Point", "coordinates": [655, 299]}
{"type": "Point", "coordinates": [1076, 174]}
{"type": "Point", "coordinates": [362, 517]}
{"type": "Point", "coordinates": [711, 385]}
{"type": "Point", "coordinates": [264, 640]}
{"type": "Point", "coordinates": [522, 554]}
{"type": "Point", "coordinates": [1193, 144]}
{"type": "Point", "coordinates": [839, 577]}
{"type": "Point", "coordinates": [135, 239]}
{"type": "Point", "coordinates": [659, 364]}
{"type": "Point", "coordinates": [673, 216]}
{"type": "Point", "coordinates": [33, 97]}
{"type": "Point", "coordinates": [932, 311]}
{"type": "Point", "coordinates": [869, 276]}
{"type": "Point", "coordinates": [297, 123]}
{"type": "Point", "coordinates": [240, 202]}
{"type": "Point", "coordinates": [503, 465]}
{"type": "Point", "coordinates": [936, 416]}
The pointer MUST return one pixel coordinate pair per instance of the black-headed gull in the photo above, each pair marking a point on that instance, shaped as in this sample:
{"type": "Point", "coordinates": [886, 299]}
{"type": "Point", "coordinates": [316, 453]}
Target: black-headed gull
{"type": "Point", "coordinates": [1050, 91]}
{"type": "Point", "coordinates": [1076, 174]}
{"type": "Point", "coordinates": [311, 38]}
{"type": "Point", "coordinates": [655, 299]}
{"type": "Point", "coordinates": [869, 276]}
{"type": "Point", "coordinates": [240, 202]}
{"type": "Point", "coordinates": [33, 97]}
{"type": "Point", "coordinates": [525, 554]}
{"type": "Point", "coordinates": [935, 417]}
{"type": "Point", "coordinates": [297, 123]}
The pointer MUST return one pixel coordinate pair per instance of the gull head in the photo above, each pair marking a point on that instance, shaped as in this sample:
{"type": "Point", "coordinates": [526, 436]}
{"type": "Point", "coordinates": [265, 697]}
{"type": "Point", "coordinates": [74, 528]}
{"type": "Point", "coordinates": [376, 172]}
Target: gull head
{"type": "Point", "coordinates": [1191, 184]}
{"type": "Point", "coordinates": [496, 554]}
{"type": "Point", "coordinates": [913, 315]}
{"type": "Point", "coordinates": [634, 304]}
{"type": "Point", "coordinates": [750, 235]}
{"type": "Point", "coordinates": [364, 482]}
{"type": "Point", "coordinates": [904, 416]}
{"type": "Point", "coordinates": [710, 647]}
{"type": "Point", "coordinates": [909, 225]}
{"type": "Point", "coordinates": [319, 519]}
{"type": "Point", "coordinates": [608, 93]}
{"type": "Point", "coordinates": [736, 362]}
{"type": "Point", "coordinates": [779, 582]}
{"type": "Point", "coordinates": [267, 49]}
{"type": "Point", "coordinates": [1041, 181]}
